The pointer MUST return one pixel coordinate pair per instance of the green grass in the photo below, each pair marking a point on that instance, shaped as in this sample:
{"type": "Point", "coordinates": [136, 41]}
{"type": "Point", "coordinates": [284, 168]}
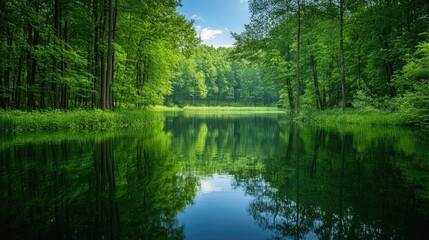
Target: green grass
{"type": "Point", "coordinates": [359, 117]}
{"type": "Point", "coordinates": [20, 121]}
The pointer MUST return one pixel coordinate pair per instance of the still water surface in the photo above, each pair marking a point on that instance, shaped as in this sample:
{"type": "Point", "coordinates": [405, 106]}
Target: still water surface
{"type": "Point", "coordinates": [228, 176]}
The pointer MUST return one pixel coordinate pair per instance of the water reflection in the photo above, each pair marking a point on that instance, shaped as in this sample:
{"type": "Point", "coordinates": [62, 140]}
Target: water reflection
{"type": "Point", "coordinates": [326, 188]}
{"type": "Point", "coordinates": [217, 176]}
{"type": "Point", "coordinates": [102, 188]}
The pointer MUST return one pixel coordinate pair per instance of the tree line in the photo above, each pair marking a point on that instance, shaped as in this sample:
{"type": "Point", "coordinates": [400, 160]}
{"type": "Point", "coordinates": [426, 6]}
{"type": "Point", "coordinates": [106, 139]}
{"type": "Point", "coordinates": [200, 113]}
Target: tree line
{"type": "Point", "coordinates": [307, 55]}
{"type": "Point", "coordinates": [342, 54]}
{"type": "Point", "coordinates": [90, 53]}
{"type": "Point", "coordinates": [212, 77]}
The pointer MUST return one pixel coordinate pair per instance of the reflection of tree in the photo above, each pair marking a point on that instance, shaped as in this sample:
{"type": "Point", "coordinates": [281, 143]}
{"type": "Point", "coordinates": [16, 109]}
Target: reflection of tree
{"type": "Point", "coordinates": [114, 188]}
{"type": "Point", "coordinates": [336, 183]}
{"type": "Point", "coordinates": [225, 143]}
{"type": "Point", "coordinates": [350, 195]}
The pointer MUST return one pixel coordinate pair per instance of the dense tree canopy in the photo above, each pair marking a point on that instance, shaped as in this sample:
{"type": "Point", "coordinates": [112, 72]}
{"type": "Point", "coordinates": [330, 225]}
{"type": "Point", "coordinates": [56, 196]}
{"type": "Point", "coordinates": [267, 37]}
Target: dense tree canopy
{"type": "Point", "coordinates": [98, 53]}
{"type": "Point", "coordinates": [382, 44]}
{"type": "Point", "coordinates": [211, 77]}
{"type": "Point", "coordinates": [369, 55]}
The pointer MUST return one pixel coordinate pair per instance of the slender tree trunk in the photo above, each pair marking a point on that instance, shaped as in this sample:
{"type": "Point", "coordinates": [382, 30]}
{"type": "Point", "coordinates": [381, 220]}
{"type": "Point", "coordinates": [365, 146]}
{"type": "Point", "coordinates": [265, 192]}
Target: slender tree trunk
{"type": "Point", "coordinates": [103, 58]}
{"type": "Point", "coordinates": [115, 15]}
{"type": "Point", "coordinates": [298, 60]}
{"type": "Point", "coordinates": [33, 38]}
{"type": "Point", "coordinates": [316, 82]}
{"type": "Point", "coordinates": [109, 77]}
{"type": "Point", "coordinates": [103, 80]}
{"type": "Point", "coordinates": [17, 86]}
{"type": "Point", "coordinates": [96, 57]}
{"type": "Point", "coordinates": [289, 84]}
{"type": "Point", "coordinates": [6, 89]}
{"type": "Point", "coordinates": [64, 66]}
{"type": "Point", "coordinates": [29, 57]}
{"type": "Point", "coordinates": [57, 29]}
{"type": "Point", "coordinates": [343, 74]}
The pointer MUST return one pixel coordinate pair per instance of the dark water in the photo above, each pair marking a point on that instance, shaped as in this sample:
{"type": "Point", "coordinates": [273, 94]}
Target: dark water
{"type": "Point", "coordinates": [246, 176]}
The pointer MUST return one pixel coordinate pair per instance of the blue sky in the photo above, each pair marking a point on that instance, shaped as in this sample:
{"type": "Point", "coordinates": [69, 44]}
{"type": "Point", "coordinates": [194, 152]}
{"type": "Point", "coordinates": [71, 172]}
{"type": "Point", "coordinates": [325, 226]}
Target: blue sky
{"type": "Point", "coordinates": [216, 19]}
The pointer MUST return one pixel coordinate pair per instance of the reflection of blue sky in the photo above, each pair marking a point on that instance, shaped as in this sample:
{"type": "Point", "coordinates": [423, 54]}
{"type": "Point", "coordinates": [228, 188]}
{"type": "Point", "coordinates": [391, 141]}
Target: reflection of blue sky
{"type": "Point", "coordinates": [220, 212]}
{"type": "Point", "coordinates": [216, 19]}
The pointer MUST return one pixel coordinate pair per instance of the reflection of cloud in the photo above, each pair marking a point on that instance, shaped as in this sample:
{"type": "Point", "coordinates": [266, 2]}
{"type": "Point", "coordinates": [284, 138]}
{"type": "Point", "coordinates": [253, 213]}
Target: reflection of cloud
{"type": "Point", "coordinates": [207, 187]}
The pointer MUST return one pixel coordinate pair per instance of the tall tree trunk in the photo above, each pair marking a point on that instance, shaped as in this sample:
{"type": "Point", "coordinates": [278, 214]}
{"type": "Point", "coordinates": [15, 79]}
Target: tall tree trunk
{"type": "Point", "coordinates": [7, 71]}
{"type": "Point", "coordinates": [57, 30]}
{"type": "Point", "coordinates": [298, 60]}
{"type": "Point", "coordinates": [33, 38]}
{"type": "Point", "coordinates": [17, 84]}
{"type": "Point", "coordinates": [109, 77]}
{"type": "Point", "coordinates": [289, 84]}
{"type": "Point", "coordinates": [115, 15]}
{"type": "Point", "coordinates": [343, 74]}
{"type": "Point", "coordinates": [316, 82]}
{"type": "Point", "coordinates": [64, 65]}
{"type": "Point", "coordinates": [96, 57]}
{"type": "Point", "coordinates": [103, 62]}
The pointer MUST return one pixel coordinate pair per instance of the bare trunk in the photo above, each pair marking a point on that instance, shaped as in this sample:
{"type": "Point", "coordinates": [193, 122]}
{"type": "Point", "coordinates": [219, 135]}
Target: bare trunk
{"type": "Point", "coordinates": [102, 60]}
{"type": "Point", "coordinates": [109, 77]}
{"type": "Point", "coordinates": [298, 60]}
{"type": "Point", "coordinates": [64, 65]}
{"type": "Point", "coordinates": [343, 74]}
{"type": "Point", "coordinates": [33, 38]}
{"type": "Point", "coordinates": [289, 84]}
{"type": "Point", "coordinates": [316, 82]}
{"type": "Point", "coordinates": [95, 59]}
{"type": "Point", "coordinates": [57, 28]}
{"type": "Point", "coordinates": [5, 82]}
{"type": "Point", "coordinates": [17, 85]}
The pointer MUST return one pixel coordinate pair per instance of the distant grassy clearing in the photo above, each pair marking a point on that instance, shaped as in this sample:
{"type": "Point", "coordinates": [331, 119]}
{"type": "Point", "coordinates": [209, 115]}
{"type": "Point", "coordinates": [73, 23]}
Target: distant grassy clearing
{"type": "Point", "coordinates": [219, 109]}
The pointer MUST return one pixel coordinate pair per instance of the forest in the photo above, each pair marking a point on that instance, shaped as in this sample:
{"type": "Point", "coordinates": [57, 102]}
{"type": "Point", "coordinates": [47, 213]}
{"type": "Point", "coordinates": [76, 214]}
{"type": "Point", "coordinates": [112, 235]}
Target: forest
{"type": "Point", "coordinates": [367, 55]}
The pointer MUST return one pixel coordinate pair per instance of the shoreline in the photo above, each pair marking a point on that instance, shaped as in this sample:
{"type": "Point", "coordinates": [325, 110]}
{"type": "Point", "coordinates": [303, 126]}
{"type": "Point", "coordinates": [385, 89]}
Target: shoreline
{"type": "Point", "coordinates": [17, 121]}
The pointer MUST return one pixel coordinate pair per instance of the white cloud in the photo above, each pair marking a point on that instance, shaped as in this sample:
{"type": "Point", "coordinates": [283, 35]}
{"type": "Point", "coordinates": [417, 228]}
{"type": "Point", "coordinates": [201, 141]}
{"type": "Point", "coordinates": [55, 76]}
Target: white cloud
{"type": "Point", "coordinates": [226, 46]}
{"type": "Point", "coordinates": [207, 33]}
{"type": "Point", "coordinates": [243, 1]}
{"type": "Point", "coordinates": [197, 17]}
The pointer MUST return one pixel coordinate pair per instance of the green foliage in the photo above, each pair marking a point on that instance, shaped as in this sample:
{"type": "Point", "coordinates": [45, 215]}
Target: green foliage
{"type": "Point", "coordinates": [380, 74]}
{"type": "Point", "coordinates": [60, 55]}
{"type": "Point", "coordinates": [413, 86]}
{"type": "Point", "coordinates": [211, 77]}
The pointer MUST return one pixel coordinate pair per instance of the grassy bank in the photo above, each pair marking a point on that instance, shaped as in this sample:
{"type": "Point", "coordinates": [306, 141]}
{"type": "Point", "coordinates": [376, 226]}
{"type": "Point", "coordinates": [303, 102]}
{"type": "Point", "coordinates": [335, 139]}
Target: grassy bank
{"type": "Point", "coordinates": [359, 117]}
{"type": "Point", "coordinates": [19, 121]}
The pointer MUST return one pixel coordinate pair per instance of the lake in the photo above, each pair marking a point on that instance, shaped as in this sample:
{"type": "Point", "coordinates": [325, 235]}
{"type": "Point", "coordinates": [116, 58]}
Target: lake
{"type": "Point", "coordinates": [217, 176]}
